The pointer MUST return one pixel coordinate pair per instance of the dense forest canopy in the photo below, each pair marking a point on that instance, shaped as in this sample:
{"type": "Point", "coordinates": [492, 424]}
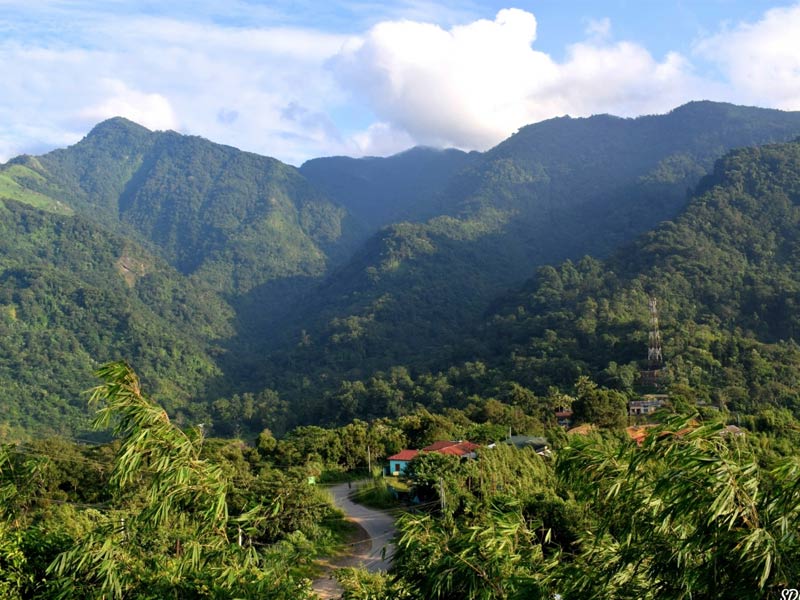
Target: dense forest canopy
{"type": "Point", "coordinates": [291, 333]}
{"type": "Point", "coordinates": [252, 294]}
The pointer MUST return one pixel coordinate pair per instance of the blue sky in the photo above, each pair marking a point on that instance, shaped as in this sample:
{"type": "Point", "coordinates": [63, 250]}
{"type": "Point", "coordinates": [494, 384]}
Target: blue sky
{"type": "Point", "coordinates": [302, 79]}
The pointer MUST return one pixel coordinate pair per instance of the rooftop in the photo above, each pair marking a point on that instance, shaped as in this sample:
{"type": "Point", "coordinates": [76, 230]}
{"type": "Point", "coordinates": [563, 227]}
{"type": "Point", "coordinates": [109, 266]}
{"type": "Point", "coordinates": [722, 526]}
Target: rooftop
{"type": "Point", "coordinates": [404, 455]}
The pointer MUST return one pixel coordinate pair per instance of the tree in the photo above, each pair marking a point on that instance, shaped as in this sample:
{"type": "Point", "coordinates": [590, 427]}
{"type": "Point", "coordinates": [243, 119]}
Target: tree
{"type": "Point", "coordinates": [689, 514]}
{"type": "Point", "coordinates": [171, 533]}
{"type": "Point", "coordinates": [599, 406]}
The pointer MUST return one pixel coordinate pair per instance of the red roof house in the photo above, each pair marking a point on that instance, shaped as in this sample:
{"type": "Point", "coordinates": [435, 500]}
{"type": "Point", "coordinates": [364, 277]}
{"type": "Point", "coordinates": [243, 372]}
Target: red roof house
{"type": "Point", "coordinates": [452, 448]}
{"type": "Point", "coordinates": [398, 462]}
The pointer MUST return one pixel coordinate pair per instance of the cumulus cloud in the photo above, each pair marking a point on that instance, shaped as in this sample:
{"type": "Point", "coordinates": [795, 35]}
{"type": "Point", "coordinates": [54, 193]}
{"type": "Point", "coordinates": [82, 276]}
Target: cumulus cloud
{"type": "Point", "coordinates": [151, 110]}
{"type": "Point", "coordinates": [460, 86]}
{"type": "Point", "coordinates": [296, 93]}
{"type": "Point", "coordinates": [761, 60]}
{"type": "Point", "coordinates": [473, 85]}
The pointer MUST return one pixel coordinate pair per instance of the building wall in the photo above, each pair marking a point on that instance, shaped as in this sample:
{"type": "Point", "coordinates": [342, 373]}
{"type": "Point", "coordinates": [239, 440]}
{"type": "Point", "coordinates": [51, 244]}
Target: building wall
{"type": "Point", "coordinates": [397, 466]}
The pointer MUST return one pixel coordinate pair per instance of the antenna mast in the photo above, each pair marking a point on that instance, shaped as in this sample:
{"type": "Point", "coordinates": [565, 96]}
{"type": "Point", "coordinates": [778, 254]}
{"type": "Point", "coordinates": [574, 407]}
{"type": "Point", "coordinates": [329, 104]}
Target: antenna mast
{"type": "Point", "coordinates": [655, 357]}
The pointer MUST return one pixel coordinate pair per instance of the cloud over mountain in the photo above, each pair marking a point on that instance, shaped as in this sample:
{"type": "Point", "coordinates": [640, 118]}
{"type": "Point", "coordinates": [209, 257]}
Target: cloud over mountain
{"type": "Point", "coordinates": [473, 85]}
{"type": "Point", "coordinates": [296, 91]}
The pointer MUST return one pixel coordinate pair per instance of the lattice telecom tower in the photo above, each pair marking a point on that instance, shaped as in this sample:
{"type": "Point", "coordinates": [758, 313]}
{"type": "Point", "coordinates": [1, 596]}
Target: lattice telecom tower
{"type": "Point", "coordinates": [655, 358]}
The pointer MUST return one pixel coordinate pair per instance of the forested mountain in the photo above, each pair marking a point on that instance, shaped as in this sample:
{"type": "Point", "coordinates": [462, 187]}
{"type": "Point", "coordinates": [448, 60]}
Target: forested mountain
{"type": "Point", "coordinates": [380, 191]}
{"type": "Point", "coordinates": [233, 219]}
{"type": "Point", "coordinates": [726, 275]}
{"type": "Point", "coordinates": [72, 293]}
{"type": "Point", "coordinates": [86, 265]}
{"type": "Point", "coordinates": [247, 226]}
{"type": "Point", "coordinates": [558, 189]}
{"type": "Point", "coordinates": [235, 279]}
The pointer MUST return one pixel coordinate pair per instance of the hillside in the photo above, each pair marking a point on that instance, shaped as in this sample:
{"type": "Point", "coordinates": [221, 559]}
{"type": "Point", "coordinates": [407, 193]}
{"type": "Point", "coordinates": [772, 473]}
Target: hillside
{"type": "Point", "coordinates": [556, 190]}
{"type": "Point", "coordinates": [247, 226]}
{"type": "Point", "coordinates": [727, 279]}
{"type": "Point", "coordinates": [234, 218]}
{"type": "Point", "coordinates": [71, 295]}
{"type": "Point", "coordinates": [231, 278]}
{"type": "Point", "coordinates": [380, 191]}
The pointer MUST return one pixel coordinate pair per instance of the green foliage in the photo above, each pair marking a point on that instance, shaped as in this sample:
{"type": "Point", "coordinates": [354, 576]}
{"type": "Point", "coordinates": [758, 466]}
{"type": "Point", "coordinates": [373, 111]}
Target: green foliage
{"type": "Point", "coordinates": [70, 291]}
{"type": "Point", "coordinates": [690, 514]}
{"type": "Point", "coordinates": [495, 558]}
{"type": "Point", "coordinates": [171, 531]}
{"type": "Point", "coordinates": [555, 190]}
{"type": "Point", "coordinates": [376, 494]}
{"type": "Point", "coordinates": [601, 407]}
{"type": "Point", "coordinates": [359, 584]}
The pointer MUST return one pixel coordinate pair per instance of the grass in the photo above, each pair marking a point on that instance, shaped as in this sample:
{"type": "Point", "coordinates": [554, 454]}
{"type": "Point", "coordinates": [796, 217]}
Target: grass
{"type": "Point", "coordinates": [398, 484]}
{"type": "Point", "coordinates": [10, 189]}
{"type": "Point", "coordinates": [376, 494]}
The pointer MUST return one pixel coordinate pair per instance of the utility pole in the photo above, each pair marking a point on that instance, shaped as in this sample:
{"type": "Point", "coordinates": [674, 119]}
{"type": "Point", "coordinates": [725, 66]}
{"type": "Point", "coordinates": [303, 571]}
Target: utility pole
{"type": "Point", "coordinates": [442, 499]}
{"type": "Point", "coordinates": [369, 460]}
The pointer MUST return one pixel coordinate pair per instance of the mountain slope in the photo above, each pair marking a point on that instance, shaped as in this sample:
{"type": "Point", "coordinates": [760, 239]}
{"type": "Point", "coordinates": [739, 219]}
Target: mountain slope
{"type": "Point", "coordinates": [379, 191]}
{"type": "Point", "coordinates": [726, 275]}
{"type": "Point", "coordinates": [236, 219]}
{"type": "Point", "coordinates": [72, 295]}
{"type": "Point", "coordinates": [247, 226]}
{"type": "Point", "coordinates": [555, 190]}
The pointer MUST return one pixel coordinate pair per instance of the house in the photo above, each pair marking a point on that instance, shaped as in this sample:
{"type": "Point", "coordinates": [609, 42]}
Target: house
{"type": "Point", "coordinates": [564, 418]}
{"type": "Point", "coordinates": [649, 404]}
{"type": "Point", "coordinates": [538, 443]}
{"type": "Point", "coordinates": [398, 462]}
{"type": "Point", "coordinates": [461, 449]}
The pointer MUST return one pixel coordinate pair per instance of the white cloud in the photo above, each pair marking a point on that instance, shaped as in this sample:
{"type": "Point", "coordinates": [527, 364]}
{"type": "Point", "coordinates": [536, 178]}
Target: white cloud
{"type": "Point", "coordinates": [473, 85]}
{"type": "Point", "coordinates": [295, 92]}
{"type": "Point", "coordinates": [151, 110]}
{"type": "Point", "coordinates": [598, 28]}
{"type": "Point", "coordinates": [761, 60]}
{"type": "Point", "coordinates": [230, 84]}
{"type": "Point", "coordinates": [380, 139]}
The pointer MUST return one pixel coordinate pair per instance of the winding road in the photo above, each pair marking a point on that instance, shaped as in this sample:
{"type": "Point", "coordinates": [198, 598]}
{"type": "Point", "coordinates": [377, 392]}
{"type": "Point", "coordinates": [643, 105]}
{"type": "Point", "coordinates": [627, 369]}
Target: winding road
{"type": "Point", "coordinates": [372, 553]}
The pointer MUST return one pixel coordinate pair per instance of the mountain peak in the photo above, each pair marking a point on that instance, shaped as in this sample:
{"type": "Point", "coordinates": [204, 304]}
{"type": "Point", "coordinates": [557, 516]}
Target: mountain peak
{"type": "Point", "coordinates": [116, 126]}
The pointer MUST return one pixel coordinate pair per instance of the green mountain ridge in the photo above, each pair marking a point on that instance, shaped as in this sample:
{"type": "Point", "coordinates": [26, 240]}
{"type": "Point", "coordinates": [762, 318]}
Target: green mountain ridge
{"type": "Point", "coordinates": [273, 294]}
{"type": "Point", "coordinates": [247, 226]}
{"type": "Point", "coordinates": [559, 189]}
{"type": "Point", "coordinates": [725, 276]}
{"type": "Point", "coordinates": [198, 203]}
{"type": "Point", "coordinates": [380, 191]}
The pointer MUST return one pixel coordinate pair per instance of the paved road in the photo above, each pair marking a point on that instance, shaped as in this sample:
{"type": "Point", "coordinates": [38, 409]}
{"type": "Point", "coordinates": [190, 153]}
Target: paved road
{"type": "Point", "coordinates": [375, 550]}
